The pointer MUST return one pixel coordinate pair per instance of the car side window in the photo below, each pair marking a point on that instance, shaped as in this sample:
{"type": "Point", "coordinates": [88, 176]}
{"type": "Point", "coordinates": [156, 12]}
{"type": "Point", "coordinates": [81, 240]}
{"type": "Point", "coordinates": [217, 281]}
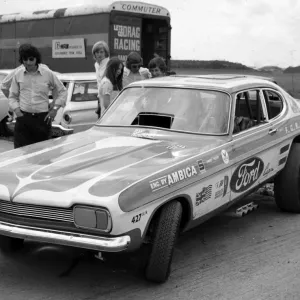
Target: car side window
{"type": "Point", "coordinates": [84, 91]}
{"type": "Point", "coordinates": [248, 111]}
{"type": "Point", "coordinates": [274, 103]}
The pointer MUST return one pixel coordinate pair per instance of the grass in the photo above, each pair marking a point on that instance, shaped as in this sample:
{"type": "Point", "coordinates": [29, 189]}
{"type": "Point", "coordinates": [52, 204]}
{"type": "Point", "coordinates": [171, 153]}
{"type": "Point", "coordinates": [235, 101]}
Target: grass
{"type": "Point", "coordinates": [290, 82]}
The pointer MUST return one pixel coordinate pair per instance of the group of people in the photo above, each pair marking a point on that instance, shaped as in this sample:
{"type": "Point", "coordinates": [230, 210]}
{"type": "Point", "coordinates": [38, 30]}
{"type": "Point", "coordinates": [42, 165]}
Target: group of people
{"type": "Point", "coordinates": [113, 76]}
{"type": "Point", "coordinates": [28, 86]}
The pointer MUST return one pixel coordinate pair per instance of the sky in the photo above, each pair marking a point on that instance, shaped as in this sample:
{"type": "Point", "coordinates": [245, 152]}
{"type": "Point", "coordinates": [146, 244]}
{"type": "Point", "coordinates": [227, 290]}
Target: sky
{"type": "Point", "coordinates": [252, 32]}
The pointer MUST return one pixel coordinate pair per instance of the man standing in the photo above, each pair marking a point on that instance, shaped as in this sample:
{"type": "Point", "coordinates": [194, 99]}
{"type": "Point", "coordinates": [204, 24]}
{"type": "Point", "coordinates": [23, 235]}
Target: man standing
{"type": "Point", "coordinates": [29, 98]}
{"type": "Point", "coordinates": [133, 70]}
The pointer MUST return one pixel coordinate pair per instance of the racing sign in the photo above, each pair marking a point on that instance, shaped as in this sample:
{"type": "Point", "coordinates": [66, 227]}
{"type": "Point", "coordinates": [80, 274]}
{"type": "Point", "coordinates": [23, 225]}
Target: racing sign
{"type": "Point", "coordinates": [126, 37]}
{"type": "Point", "coordinates": [68, 48]}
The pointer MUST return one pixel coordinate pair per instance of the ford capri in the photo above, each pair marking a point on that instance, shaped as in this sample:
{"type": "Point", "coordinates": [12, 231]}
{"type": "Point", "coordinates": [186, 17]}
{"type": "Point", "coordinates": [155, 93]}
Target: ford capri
{"type": "Point", "coordinates": [168, 154]}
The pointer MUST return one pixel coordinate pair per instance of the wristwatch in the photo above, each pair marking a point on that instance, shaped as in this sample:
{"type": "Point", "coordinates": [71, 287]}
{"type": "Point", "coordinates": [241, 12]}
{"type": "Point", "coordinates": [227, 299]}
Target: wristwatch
{"type": "Point", "coordinates": [56, 107]}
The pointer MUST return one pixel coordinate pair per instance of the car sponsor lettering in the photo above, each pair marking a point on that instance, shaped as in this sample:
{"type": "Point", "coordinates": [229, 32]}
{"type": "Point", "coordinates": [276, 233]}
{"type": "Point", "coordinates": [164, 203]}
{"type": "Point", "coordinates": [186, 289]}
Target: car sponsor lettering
{"type": "Point", "coordinates": [246, 174]}
{"type": "Point", "coordinates": [204, 195]}
{"type": "Point", "coordinates": [173, 178]}
{"type": "Point", "coordinates": [212, 159]}
{"type": "Point", "coordinates": [138, 217]}
{"type": "Point", "coordinates": [201, 166]}
{"type": "Point", "coordinates": [292, 127]}
{"type": "Point", "coordinates": [267, 170]}
{"type": "Point", "coordinates": [221, 187]}
{"type": "Point", "coordinates": [225, 156]}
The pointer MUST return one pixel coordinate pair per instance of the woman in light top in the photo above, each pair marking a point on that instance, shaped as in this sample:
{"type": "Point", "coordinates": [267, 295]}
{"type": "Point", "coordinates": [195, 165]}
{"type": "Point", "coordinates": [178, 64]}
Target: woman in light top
{"type": "Point", "coordinates": [111, 83]}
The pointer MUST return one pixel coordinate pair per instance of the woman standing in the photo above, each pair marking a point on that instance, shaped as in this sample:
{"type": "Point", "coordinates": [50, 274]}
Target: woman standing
{"type": "Point", "coordinates": [101, 56]}
{"type": "Point", "coordinates": [112, 82]}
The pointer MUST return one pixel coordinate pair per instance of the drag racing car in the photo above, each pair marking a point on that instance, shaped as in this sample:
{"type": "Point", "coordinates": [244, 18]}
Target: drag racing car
{"type": "Point", "coordinates": [168, 154]}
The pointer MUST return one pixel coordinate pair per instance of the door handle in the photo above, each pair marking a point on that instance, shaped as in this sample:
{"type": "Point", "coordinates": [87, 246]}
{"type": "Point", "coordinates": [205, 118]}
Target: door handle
{"type": "Point", "coordinates": [272, 131]}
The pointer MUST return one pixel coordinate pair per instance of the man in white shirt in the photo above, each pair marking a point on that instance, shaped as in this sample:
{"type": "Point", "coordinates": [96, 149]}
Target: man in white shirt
{"type": "Point", "coordinates": [133, 70]}
{"type": "Point", "coordinates": [29, 98]}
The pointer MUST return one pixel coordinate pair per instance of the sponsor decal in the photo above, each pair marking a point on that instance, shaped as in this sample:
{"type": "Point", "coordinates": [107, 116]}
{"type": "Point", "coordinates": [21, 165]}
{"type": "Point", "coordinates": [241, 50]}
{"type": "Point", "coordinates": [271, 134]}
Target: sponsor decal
{"type": "Point", "coordinates": [225, 156]}
{"type": "Point", "coordinates": [292, 127]}
{"type": "Point", "coordinates": [201, 166]}
{"type": "Point", "coordinates": [204, 195]}
{"type": "Point", "coordinates": [213, 159]}
{"type": "Point", "coordinates": [173, 178]}
{"type": "Point", "coordinates": [175, 146]}
{"type": "Point", "coordinates": [284, 149]}
{"type": "Point", "coordinates": [282, 161]}
{"type": "Point", "coordinates": [138, 217]}
{"type": "Point", "coordinates": [221, 187]}
{"type": "Point", "coordinates": [267, 170]}
{"type": "Point", "coordinates": [142, 133]}
{"type": "Point", "coordinates": [246, 174]}
{"type": "Point", "coordinates": [68, 48]}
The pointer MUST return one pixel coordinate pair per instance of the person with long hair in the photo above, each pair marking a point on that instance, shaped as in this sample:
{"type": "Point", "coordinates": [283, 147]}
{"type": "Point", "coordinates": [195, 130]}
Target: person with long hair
{"type": "Point", "coordinates": [112, 83]}
{"type": "Point", "coordinates": [134, 70]}
{"type": "Point", "coordinates": [29, 98]}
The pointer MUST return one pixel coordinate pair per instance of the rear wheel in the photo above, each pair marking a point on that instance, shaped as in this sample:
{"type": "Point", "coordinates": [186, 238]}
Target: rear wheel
{"type": "Point", "coordinates": [165, 234]}
{"type": "Point", "coordinates": [287, 183]}
{"type": "Point", "coordinates": [9, 244]}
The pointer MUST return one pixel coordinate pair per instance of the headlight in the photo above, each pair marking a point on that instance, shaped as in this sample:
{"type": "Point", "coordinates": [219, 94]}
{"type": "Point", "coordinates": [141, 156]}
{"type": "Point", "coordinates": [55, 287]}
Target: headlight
{"type": "Point", "coordinates": [92, 218]}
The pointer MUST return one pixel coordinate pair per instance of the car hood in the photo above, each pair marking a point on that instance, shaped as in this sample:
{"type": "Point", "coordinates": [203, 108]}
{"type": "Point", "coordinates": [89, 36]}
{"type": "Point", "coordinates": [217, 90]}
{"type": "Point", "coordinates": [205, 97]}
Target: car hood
{"type": "Point", "coordinates": [90, 166]}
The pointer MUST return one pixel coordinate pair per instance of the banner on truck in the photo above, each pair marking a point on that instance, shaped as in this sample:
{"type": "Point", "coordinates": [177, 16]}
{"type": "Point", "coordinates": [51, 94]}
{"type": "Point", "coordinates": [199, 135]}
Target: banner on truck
{"type": "Point", "coordinates": [68, 48]}
{"type": "Point", "coordinates": [126, 39]}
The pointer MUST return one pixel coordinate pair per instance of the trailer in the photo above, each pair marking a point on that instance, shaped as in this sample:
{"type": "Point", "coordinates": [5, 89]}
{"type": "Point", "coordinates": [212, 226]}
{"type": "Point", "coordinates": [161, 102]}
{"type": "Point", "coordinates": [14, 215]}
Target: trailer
{"type": "Point", "coordinates": [65, 36]}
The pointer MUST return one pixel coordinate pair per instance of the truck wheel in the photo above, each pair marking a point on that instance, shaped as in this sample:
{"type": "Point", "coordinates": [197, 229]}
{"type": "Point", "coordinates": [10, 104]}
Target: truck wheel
{"type": "Point", "coordinates": [287, 183]}
{"type": "Point", "coordinates": [9, 244]}
{"type": "Point", "coordinates": [165, 235]}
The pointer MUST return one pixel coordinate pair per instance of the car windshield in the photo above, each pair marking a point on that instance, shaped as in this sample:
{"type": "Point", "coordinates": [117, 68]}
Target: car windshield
{"type": "Point", "coordinates": [192, 110]}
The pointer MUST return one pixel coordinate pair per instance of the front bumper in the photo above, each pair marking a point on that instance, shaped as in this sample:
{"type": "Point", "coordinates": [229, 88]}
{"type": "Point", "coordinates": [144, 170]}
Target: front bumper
{"type": "Point", "coordinates": [92, 242]}
{"type": "Point", "coordinates": [58, 130]}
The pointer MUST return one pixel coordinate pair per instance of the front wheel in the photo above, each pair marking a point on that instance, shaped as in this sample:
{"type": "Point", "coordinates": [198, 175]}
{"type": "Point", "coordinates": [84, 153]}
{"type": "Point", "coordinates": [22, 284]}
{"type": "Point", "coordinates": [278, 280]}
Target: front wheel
{"type": "Point", "coordinates": [9, 244]}
{"type": "Point", "coordinates": [165, 235]}
{"type": "Point", "coordinates": [287, 183]}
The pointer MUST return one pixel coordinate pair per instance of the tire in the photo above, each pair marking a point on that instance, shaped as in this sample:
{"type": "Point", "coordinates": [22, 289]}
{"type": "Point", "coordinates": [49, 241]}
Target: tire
{"type": "Point", "coordinates": [165, 235]}
{"type": "Point", "coordinates": [287, 183]}
{"type": "Point", "coordinates": [9, 244]}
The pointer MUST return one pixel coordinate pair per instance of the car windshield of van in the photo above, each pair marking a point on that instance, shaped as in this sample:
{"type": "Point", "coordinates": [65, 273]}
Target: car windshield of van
{"type": "Point", "coordinates": [180, 109]}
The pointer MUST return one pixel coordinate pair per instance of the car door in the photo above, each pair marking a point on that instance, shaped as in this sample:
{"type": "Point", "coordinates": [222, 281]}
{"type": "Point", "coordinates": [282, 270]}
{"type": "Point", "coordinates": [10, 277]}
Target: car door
{"type": "Point", "coordinates": [276, 110]}
{"type": "Point", "coordinates": [80, 111]}
{"type": "Point", "coordinates": [253, 139]}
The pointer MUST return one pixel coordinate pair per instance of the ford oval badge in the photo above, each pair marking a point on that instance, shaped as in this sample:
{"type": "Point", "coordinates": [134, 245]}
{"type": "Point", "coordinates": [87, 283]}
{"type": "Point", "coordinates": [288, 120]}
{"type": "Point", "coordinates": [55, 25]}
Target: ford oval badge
{"type": "Point", "coordinates": [246, 174]}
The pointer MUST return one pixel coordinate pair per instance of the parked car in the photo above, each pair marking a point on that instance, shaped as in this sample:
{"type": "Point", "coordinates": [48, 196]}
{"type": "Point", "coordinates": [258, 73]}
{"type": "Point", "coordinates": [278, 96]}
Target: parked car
{"type": "Point", "coordinates": [168, 154]}
{"type": "Point", "coordinates": [79, 112]}
{"type": "Point", "coordinates": [3, 106]}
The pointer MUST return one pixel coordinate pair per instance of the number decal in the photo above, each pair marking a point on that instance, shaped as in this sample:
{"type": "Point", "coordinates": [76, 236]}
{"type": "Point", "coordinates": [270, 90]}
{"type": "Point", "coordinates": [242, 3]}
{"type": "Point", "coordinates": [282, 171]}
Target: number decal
{"type": "Point", "coordinates": [138, 217]}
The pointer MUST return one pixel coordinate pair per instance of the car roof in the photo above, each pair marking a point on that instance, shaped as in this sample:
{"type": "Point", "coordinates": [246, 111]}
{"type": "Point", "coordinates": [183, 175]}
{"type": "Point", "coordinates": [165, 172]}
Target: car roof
{"type": "Point", "coordinates": [224, 82]}
{"type": "Point", "coordinates": [5, 71]}
{"type": "Point", "coordinates": [80, 76]}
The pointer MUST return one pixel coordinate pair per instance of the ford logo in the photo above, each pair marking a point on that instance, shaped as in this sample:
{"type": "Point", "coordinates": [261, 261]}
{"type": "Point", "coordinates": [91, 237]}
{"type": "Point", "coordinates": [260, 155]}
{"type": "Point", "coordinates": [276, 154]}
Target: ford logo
{"type": "Point", "coordinates": [246, 174]}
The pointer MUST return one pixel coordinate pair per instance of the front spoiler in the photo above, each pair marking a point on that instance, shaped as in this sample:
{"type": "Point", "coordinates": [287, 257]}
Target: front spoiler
{"type": "Point", "coordinates": [92, 242]}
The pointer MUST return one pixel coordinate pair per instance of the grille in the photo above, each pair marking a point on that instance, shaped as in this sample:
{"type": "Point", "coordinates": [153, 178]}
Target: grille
{"type": "Point", "coordinates": [36, 211]}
